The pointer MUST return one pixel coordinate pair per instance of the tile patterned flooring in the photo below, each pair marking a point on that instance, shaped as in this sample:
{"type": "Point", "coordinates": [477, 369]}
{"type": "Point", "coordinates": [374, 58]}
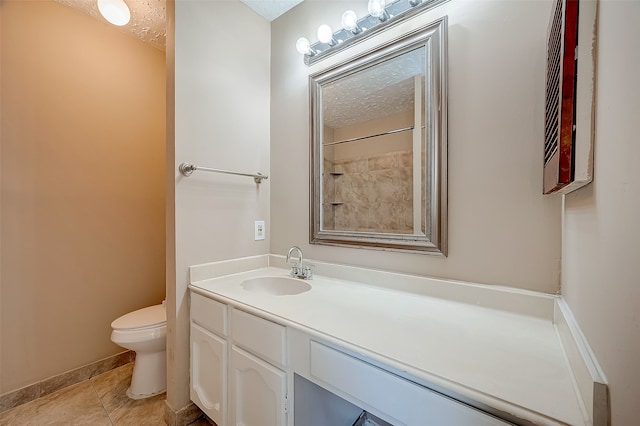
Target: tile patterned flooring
{"type": "Point", "coordinates": [99, 401]}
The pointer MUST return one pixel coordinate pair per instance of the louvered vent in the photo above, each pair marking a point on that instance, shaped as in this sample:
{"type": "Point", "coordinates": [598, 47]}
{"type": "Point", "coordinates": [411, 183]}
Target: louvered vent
{"type": "Point", "coordinates": [559, 135]}
{"type": "Point", "coordinates": [554, 56]}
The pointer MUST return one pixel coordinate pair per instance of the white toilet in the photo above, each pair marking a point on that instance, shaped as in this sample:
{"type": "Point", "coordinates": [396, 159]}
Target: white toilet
{"type": "Point", "coordinates": [145, 332]}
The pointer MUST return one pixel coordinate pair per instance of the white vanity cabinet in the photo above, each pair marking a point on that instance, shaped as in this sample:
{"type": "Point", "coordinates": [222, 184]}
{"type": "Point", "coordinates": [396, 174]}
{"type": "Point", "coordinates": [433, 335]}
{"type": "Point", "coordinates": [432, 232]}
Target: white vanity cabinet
{"type": "Point", "coordinates": [242, 365]}
{"type": "Point", "coordinates": [257, 383]}
{"type": "Point", "coordinates": [237, 365]}
{"type": "Point", "coordinates": [209, 357]}
{"type": "Point", "coordinates": [262, 355]}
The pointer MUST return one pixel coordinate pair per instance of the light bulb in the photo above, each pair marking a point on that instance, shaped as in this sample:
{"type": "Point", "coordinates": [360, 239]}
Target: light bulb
{"type": "Point", "coordinates": [115, 11]}
{"type": "Point", "coordinates": [325, 34]}
{"type": "Point", "coordinates": [377, 10]}
{"type": "Point", "coordinates": [350, 22]}
{"type": "Point", "coordinates": [303, 46]}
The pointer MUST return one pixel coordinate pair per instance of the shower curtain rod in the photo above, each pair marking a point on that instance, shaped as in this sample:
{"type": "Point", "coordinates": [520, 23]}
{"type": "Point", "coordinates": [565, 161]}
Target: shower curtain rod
{"type": "Point", "coordinates": [390, 132]}
{"type": "Point", "coordinates": [187, 169]}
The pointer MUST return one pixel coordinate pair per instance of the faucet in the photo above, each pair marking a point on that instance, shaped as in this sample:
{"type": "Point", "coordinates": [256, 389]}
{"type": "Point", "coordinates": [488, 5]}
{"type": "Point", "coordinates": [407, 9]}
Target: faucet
{"type": "Point", "coordinates": [299, 269]}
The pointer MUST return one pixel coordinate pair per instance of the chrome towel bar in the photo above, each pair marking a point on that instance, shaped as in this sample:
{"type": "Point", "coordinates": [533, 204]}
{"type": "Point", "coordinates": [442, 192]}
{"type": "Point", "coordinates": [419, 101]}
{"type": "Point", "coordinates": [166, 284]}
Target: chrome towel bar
{"type": "Point", "coordinates": [187, 169]}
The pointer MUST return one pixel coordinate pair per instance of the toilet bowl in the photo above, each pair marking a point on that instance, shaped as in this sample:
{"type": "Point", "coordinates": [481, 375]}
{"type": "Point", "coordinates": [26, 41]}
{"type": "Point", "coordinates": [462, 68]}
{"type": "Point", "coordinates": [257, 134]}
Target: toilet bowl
{"type": "Point", "coordinates": [145, 332]}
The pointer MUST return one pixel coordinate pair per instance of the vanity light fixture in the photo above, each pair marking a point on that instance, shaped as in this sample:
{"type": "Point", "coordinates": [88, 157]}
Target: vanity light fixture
{"type": "Point", "coordinates": [115, 11]}
{"type": "Point", "coordinates": [350, 22]}
{"type": "Point", "coordinates": [382, 14]}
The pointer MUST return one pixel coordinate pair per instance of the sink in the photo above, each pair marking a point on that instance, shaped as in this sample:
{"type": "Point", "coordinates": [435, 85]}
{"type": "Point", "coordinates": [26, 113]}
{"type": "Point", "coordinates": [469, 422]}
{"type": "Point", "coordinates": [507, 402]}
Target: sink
{"type": "Point", "coordinates": [276, 286]}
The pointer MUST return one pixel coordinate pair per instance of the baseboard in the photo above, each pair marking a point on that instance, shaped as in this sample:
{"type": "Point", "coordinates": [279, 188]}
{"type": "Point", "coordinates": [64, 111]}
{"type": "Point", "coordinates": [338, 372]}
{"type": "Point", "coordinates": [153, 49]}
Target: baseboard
{"type": "Point", "coordinates": [182, 417]}
{"type": "Point", "coordinates": [45, 387]}
{"type": "Point", "coordinates": [590, 381]}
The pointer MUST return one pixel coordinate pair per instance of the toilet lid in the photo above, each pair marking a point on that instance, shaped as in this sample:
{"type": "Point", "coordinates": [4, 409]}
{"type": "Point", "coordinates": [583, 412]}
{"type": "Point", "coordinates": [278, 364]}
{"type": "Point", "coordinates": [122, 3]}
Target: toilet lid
{"type": "Point", "coordinates": [142, 318]}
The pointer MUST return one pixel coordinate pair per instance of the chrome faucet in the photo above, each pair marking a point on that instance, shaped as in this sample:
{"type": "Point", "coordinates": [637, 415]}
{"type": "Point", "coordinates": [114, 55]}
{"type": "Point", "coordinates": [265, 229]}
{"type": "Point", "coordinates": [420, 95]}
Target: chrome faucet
{"type": "Point", "coordinates": [299, 269]}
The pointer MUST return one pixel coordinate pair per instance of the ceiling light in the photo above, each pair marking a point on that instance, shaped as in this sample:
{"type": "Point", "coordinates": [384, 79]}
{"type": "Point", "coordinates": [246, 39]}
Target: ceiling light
{"type": "Point", "coordinates": [115, 11]}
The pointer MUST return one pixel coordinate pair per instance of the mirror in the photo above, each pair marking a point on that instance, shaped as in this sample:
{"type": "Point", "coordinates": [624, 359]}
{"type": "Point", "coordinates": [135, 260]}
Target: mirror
{"type": "Point", "coordinates": [378, 150]}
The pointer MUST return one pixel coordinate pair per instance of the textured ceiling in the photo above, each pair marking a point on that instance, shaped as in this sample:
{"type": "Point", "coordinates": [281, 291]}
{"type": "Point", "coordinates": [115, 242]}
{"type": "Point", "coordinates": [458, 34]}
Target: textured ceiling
{"type": "Point", "coordinates": [374, 92]}
{"type": "Point", "coordinates": [148, 17]}
{"type": "Point", "coordinates": [271, 9]}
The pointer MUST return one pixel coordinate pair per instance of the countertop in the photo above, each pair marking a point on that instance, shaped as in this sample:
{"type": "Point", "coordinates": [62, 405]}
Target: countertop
{"type": "Point", "coordinates": [512, 362]}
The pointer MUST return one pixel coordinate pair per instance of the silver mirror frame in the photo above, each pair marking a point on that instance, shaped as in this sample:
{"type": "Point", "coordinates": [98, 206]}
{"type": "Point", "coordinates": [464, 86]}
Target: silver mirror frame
{"type": "Point", "coordinates": [433, 37]}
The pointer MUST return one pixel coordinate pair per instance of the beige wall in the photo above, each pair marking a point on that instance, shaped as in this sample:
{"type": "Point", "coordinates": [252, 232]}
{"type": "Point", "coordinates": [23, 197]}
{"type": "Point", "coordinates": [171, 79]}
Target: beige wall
{"type": "Point", "coordinates": [502, 230]}
{"type": "Point", "coordinates": [83, 162]}
{"type": "Point", "coordinates": [222, 113]}
{"type": "Point", "coordinates": [600, 269]}
{"type": "Point", "coordinates": [1, 304]}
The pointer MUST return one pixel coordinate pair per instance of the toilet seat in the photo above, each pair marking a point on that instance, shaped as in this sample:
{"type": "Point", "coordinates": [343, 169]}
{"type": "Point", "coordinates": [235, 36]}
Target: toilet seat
{"type": "Point", "coordinates": [155, 335]}
{"type": "Point", "coordinates": [145, 318]}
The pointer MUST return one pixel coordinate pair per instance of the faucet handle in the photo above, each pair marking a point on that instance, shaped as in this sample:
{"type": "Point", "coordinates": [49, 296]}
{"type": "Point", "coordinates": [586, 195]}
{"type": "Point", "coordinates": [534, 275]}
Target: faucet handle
{"type": "Point", "coordinates": [295, 271]}
{"type": "Point", "coordinates": [306, 272]}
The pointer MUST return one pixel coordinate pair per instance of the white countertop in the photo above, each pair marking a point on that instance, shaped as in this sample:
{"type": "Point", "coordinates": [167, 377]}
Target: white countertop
{"type": "Point", "coordinates": [511, 362]}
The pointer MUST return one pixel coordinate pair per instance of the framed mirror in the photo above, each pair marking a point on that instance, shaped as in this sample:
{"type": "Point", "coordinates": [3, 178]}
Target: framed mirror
{"type": "Point", "coordinates": [379, 147]}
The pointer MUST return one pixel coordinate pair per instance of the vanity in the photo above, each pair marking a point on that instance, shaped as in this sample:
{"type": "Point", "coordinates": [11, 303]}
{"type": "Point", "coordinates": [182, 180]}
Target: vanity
{"type": "Point", "coordinates": [267, 349]}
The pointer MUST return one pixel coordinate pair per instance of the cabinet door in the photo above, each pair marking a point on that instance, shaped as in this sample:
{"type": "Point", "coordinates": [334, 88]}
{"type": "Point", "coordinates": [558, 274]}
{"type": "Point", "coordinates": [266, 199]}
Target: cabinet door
{"type": "Point", "coordinates": [257, 391]}
{"type": "Point", "coordinates": [208, 373]}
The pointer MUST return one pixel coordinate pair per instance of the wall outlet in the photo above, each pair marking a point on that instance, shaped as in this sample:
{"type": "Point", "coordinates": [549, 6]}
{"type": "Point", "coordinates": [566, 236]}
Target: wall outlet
{"type": "Point", "coordinates": [259, 230]}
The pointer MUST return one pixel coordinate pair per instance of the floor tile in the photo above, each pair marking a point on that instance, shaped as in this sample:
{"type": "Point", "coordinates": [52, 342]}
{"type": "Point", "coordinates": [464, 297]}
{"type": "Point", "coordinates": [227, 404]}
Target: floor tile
{"type": "Point", "coordinates": [75, 405]}
{"type": "Point", "coordinates": [100, 401]}
{"type": "Point", "coordinates": [112, 386]}
{"type": "Point", "coordinates": [140, 412]}
{"type": "Point", "coordinates": [201, 422]}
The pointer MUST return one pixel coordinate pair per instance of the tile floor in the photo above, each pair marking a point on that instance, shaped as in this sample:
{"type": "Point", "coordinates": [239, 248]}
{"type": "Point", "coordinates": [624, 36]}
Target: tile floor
{"type": "Point", "coordinates": [100, 401]}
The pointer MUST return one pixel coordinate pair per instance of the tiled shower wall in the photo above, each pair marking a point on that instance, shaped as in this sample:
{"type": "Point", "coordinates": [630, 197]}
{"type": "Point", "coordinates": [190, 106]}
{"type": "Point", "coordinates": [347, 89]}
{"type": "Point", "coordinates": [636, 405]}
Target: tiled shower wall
{"type": "Point", "coordinates": [369, 193]}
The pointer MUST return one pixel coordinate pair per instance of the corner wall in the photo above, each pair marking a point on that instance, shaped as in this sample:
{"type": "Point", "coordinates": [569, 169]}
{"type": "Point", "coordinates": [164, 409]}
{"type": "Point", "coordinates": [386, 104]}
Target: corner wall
{"type": "Point", "coordinates": [82, 220]}
{"type": "Point", "coordinates": [601, 233]}
{"type": "Point", "coordinates": [502, 230]}
{"type": "Point", "coordinates": [222, 61]}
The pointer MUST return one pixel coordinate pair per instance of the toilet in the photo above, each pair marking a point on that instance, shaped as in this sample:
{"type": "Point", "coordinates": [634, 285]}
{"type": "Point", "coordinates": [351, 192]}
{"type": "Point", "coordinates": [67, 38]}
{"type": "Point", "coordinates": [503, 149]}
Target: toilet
{"type": "Point", "coordinates": [145, 332]}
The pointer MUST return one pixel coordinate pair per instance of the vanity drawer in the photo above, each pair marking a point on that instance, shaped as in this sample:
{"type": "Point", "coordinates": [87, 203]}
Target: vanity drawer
{"type": "Point", "coordinates": [387, 395]}
{"type": "Point", "coordinates": [264, 338]}
{"type": "Point", "coordinates": [209, 314]}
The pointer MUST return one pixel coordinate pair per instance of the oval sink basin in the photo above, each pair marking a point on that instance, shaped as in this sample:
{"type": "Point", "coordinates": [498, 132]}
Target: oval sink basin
{"type": "Point", "coordinates": [276, 286]}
